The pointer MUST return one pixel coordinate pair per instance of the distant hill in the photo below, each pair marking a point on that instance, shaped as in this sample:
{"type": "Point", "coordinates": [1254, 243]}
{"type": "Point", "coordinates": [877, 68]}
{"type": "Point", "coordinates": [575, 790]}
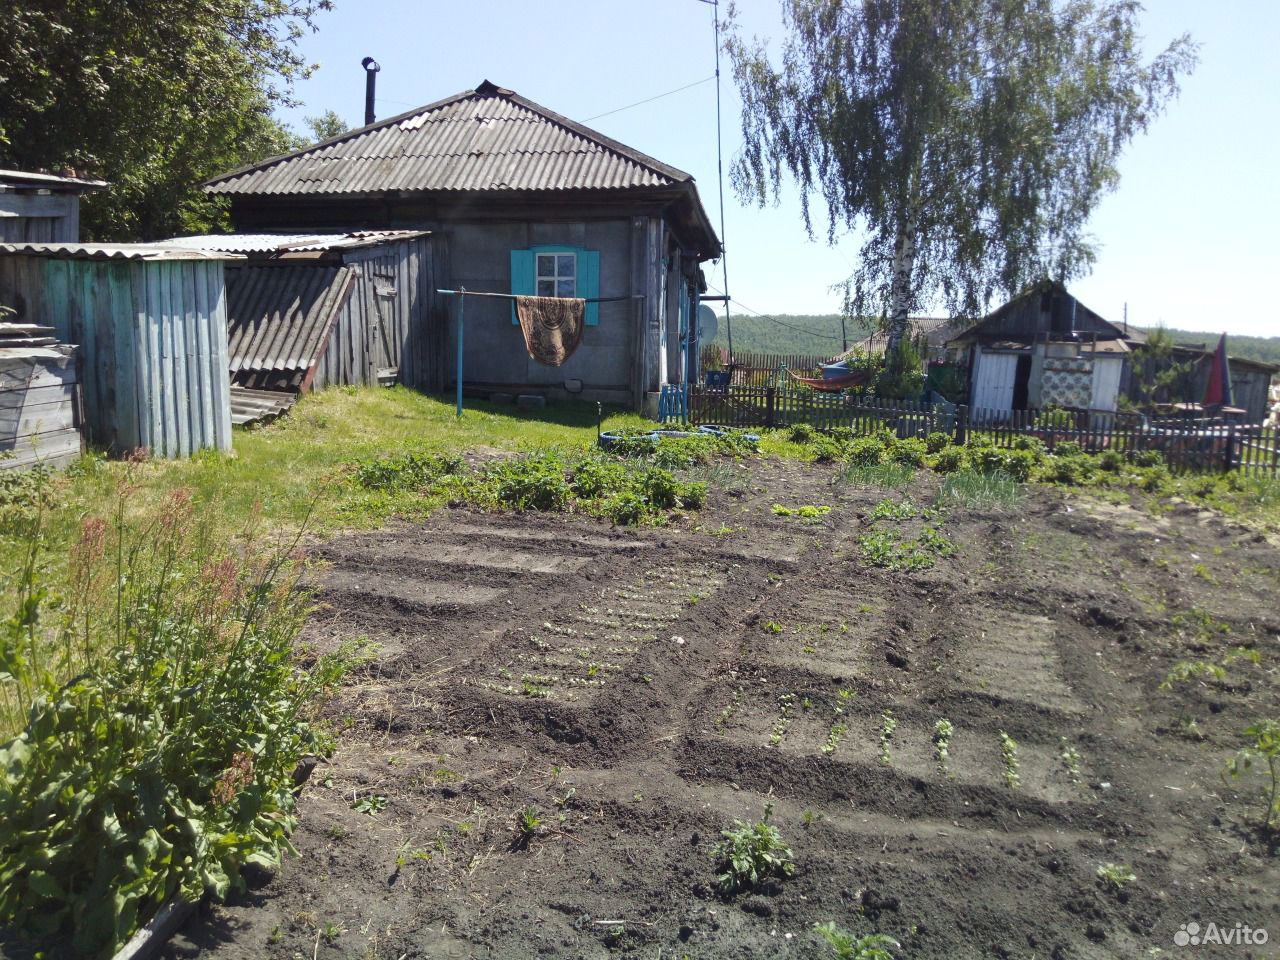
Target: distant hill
{"type": "Point", "coordinates": [1266, 349]}
{"type": "Point", "coordinates": [819, 335]}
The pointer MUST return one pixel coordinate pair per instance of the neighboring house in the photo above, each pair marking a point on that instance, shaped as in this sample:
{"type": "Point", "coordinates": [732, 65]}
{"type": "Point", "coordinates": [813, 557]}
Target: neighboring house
{"type": "Point", "coordinates": [1045, 348]}
{"type": "Point", "coordinates": [41, 207]}
{"type": "Point", "coordinates": [1250, 379]}
{"type": "Point", "coordinates": [519, 200]}
{"type": "Point", "coordinates": [307, 311]}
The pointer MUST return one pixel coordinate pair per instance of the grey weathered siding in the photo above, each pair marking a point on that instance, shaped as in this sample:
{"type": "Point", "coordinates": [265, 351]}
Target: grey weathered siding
{"type": "Point", "coordinates": [153, 344]}
{"type": "Point", "coordinates": [385, 322]}
{"type": "Point", "coordinates": [30, 217]}
{"type": "Point", "coordinates": [478, 256]}
{"type": "Point", "coordinates": [37, 407]}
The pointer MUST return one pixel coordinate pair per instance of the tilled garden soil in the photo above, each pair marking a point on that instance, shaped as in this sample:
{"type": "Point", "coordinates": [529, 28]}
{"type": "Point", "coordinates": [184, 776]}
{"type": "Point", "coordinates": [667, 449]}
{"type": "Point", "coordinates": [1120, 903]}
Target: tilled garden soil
{"type": "Point", "coordinates": [644, 689]}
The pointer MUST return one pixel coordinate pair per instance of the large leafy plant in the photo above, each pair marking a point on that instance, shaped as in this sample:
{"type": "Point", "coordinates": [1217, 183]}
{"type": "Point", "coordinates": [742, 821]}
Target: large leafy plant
{"type": "Point", "coordinates": [164, 764]}
{"type": "Point", "coordinates": [751, 853]}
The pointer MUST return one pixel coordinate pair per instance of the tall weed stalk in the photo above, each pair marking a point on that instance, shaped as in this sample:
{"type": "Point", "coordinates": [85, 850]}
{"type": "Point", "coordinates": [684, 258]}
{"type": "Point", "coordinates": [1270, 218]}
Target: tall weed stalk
{"type": "Point", "coordinates": [161, 710]}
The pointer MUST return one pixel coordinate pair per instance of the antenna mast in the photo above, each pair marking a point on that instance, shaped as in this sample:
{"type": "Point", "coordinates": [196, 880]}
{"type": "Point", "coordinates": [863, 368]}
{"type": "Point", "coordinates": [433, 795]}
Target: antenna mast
{"type": "Point", "coordinates": [724, 258]}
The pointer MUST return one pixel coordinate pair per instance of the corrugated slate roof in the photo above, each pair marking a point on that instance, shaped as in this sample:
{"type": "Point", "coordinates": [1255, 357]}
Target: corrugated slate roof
{"type": "Point", "coordinates": [489, 138]}
{"type": "Point", "coordinates": [284, 242]}
{"type": "Point", "coordinates": [279, 317]}
{"type": "Point", "coordinates": [113, 251]}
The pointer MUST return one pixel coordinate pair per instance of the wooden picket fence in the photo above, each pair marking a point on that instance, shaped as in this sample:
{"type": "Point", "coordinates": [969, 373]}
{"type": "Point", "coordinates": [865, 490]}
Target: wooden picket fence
{"type": "Point", "coordinates": [1184, 445]}
{"type": "Point", "coordinates": [758, 369]}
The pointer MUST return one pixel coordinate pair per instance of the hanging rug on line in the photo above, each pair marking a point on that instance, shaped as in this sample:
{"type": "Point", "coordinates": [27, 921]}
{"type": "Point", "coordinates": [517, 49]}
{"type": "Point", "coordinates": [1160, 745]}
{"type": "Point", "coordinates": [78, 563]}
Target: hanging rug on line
{"type": "Point", "coordinates": [552, 327]}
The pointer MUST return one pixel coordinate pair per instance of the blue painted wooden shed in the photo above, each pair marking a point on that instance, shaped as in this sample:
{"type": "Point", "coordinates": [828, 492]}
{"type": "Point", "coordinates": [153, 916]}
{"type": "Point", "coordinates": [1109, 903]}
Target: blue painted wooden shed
{"type": "Point", "coordinates": [151, 324]}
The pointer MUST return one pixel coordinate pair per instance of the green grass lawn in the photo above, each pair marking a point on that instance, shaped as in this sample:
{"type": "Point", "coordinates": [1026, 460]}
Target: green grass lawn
{"type": "Point", "coordinates": [295, 467]}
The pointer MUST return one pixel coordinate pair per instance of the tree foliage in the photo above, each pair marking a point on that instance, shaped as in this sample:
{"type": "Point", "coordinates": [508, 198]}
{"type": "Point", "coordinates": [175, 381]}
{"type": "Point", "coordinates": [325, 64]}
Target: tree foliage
{"type": "Point", "coordinates": [154, 96]}
{"type": "Point", "coordinates": [326, 126]}
{"type": "Point", "coordinates": [1157, 376]}
{"type": "Point", "coordinates": [968, 139]}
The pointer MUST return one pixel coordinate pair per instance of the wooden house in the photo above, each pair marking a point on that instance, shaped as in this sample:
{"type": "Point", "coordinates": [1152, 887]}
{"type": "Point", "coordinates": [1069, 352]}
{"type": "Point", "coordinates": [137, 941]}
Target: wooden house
{"type": "Point", "coordinates": [1045, 348]}
{"type": "Point", "coordinates": [518, 200]}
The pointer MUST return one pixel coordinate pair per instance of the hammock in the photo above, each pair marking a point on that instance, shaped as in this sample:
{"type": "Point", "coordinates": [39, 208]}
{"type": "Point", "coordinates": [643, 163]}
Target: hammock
{"type": "Point", "coordinates": [835, 384]}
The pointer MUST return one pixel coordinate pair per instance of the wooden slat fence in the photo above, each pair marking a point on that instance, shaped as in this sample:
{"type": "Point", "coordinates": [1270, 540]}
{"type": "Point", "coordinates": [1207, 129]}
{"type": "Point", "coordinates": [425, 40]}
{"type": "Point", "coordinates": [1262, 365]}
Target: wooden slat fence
{"type": "Point", "coordinates": [1184, 445]}
{"type": "Point", "coordinates": [758, 369]}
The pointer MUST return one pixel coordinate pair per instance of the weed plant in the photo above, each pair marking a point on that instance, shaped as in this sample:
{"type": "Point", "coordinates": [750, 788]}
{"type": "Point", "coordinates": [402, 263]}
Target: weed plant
{"type": "Point", "coordinates": [845, 946]}
{"type": "Point", "coordinates": [165, 764]}
{"type": "Point", "coordinates": [1263, 751]}
{"type": "Point", "coordinates": [752, 853]}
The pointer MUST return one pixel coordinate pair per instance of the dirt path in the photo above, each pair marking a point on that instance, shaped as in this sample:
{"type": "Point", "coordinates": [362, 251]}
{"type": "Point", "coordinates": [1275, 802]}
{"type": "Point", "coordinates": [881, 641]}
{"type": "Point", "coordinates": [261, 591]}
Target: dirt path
{"type": "Point", "coordinates": [644, 689]}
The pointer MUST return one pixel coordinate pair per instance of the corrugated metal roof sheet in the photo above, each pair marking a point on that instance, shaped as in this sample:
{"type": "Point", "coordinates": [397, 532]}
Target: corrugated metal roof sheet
{"type": "Point", "coordinates": [485, 139]}
{"type": "Point", "coordinates": [282, 242]}
{"type": "Point", "coordinates": [113, 251]}
{"type": "Point", "coordinates": [278, 317]}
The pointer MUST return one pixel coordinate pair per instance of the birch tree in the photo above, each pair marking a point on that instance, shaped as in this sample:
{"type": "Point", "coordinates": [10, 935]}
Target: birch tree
{"type": "Point", "coordinates": [966, 140]}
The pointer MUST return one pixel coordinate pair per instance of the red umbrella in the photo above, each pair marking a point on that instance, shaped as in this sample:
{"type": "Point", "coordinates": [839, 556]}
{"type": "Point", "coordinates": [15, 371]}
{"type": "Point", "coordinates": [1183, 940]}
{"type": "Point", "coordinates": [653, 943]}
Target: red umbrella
{"type": "Point", "coordinates": [1217, 391]}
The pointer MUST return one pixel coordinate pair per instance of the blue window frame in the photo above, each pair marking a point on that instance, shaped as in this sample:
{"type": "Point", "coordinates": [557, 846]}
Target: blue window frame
{"type": "Point", "coordinates": [557, 271]}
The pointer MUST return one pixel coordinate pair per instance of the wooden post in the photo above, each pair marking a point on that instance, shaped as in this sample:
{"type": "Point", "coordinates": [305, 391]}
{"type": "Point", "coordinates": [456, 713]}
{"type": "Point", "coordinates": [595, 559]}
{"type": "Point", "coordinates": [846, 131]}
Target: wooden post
{"type": "Point", "coordinates": [962, 423]}
{"type": "Point", "coordinates": [1228, 453]}
{"type": "Point", "coordinates": [770, 399]}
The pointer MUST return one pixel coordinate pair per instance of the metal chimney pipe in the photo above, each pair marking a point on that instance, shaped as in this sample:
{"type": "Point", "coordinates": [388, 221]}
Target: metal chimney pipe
{"type": "Point", "coordinates": [371, 69]}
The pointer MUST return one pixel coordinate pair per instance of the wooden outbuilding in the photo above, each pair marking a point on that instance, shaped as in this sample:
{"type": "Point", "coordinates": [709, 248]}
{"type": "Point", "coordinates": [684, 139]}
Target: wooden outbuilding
{"type": "Point", "coordinates": [39, 421]}
{"type": "Point", "coordinates": [41, 207]}
{"type": "Point", "coordinates": [306, 311]}
{"type": "Point", "coordinates": [150, 323]}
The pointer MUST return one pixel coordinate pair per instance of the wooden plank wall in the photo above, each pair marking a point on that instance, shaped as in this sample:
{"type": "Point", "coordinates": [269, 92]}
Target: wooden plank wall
{"type": "Point", "coordinates": [374, 331]}
{"type": "Point", "coordinates": [153, 345]}
{"type": "Point", "coordinates": [27, 216]}
{"type": "Point", "coordinates": [38, 422]}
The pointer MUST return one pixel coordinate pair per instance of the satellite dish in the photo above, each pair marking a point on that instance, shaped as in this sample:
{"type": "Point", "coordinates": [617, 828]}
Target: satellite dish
{"type": "Point", "coordinates": [708, 324]}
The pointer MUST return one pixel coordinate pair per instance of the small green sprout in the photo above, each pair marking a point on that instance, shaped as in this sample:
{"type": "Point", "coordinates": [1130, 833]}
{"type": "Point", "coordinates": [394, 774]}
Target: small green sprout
{"type": "Point", "coordinates": [942, 731]}
{"type": "Point", "coordinates": [1115, 876]}
{"type": "Point", "coordinates": [888, 723]}
{"type": "Point", "coordinates": [371, 804]}
{"type": "Point", "coordinates": [1009, 754]}
{"type": "Point", "coordinates": [875, 946]}
{"type": "Point", "coordinates": [1264, 749]}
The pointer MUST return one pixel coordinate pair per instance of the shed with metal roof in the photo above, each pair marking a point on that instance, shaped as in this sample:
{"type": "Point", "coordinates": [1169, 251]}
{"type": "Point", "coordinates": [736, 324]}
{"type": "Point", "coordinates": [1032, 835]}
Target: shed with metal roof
{"type": "Point", "coordinates": [150, 323]}
{"type": "Point", "coordinates": [310, 310]}
{"type": "Point", "coordinates": [504, 184]}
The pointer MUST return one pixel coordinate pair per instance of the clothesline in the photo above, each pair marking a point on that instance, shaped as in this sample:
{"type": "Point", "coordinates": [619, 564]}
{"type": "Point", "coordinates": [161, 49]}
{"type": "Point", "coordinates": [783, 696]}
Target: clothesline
{"type": "Point", "coordinates": [462, 293]}
{"type": "Point", "coordinates": [513, 296]}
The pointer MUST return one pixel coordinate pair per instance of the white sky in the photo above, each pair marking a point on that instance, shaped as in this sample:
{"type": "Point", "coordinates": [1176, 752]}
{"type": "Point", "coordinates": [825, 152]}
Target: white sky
{"type": "Point", "coordinates": [1189, 239]}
